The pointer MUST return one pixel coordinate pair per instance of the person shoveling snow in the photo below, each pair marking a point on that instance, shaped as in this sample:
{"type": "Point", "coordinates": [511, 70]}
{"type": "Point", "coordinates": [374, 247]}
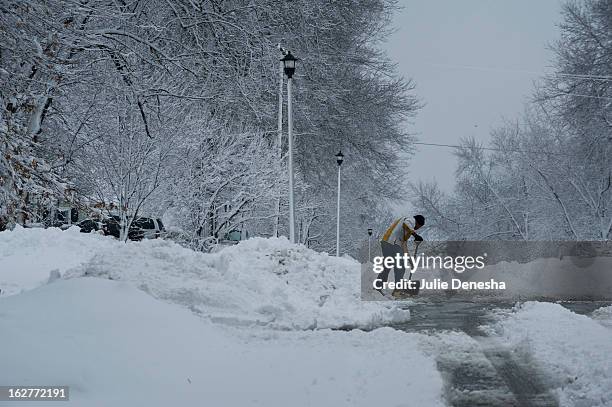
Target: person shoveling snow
{"type": "Point", "coordinates": [395, 242]}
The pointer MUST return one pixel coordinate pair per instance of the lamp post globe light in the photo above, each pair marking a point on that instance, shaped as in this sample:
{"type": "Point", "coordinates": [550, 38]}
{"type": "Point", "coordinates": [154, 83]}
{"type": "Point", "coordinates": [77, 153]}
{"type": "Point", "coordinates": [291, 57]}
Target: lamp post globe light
{"type": "Point", "coordinates": [339, 160]}
{"type": "Point", "coordinates": [289, 62]}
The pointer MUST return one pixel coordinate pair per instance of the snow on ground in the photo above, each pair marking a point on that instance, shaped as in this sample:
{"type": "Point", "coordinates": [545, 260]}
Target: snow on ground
{"type": "Point", "coordinates": [603, 315]}
{"type": "Point", "coordinates": [267, 282]}
{"type": "Point", "coordinates": [103, 330]}
{"type": "Point", "coordinates": [573, 350]}
{"type": "Point", "coordinates": [152, 323]}
{"type": "Point", "coordinates": [260, 281]}
{"type": "Point", "coordinates": [470, 376]}
{"type": "Point", "coordinates": [27, 256]}
{"type": "Point", "coordinates": [570, 278]}
{"type": "Point", "coordinates": [115, 345]}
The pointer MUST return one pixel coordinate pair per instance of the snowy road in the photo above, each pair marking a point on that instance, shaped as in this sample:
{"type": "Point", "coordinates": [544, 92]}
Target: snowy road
{"type": "Point", "coordinates": [480, 369]}
{"type": "Point", "coordinates": [266, 315]}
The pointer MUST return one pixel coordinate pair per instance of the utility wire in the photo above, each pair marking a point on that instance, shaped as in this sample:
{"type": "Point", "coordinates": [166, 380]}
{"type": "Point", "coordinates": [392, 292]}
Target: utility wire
{"type": "Point", "coordinates": [487, 69]}
{"type": "Point", "coordinates": [582, 96]}
{"type": "Point", "coordinates": [488, 148]}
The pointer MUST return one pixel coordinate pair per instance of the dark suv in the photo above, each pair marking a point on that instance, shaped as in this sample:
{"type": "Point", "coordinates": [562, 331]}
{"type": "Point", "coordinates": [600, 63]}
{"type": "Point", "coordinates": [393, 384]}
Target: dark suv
{"type": "Point", "coordinates": [147, 228]}
{"type": "Point", "coordinates": [141, 228]}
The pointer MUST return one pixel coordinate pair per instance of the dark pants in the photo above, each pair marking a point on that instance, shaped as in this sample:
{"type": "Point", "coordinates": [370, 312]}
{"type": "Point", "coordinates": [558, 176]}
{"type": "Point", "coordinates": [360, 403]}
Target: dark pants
{"type": "Point", "coordinates": [390, 250]}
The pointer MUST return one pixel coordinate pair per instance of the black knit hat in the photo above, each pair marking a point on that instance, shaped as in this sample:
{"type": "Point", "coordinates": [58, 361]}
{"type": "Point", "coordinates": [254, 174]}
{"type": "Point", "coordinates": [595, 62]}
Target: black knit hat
{"type": "Point", "coordinates": [419, 219]}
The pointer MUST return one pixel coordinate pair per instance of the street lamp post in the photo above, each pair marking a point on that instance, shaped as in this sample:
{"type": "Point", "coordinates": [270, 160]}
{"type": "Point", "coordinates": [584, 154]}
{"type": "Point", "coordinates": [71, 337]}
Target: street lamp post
{"type": "Point", "coordinates": [289, 67]}
{"type": "Point", "coordinates": [339, 159]}
{"type": "Point", "coordinates": [369, 246]}
{"type": "Point", "coordinates": [280, 139]}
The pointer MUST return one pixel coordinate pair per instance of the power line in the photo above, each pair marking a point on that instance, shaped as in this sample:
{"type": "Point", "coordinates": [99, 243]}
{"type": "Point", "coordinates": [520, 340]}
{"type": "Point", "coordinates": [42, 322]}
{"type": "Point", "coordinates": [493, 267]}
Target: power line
{"type": "Point", "coordinates": [568, 75]}
{"type": "Point", "coordinates": [488, 148]}
{"type": "Point", "coordinates": [583, 96]}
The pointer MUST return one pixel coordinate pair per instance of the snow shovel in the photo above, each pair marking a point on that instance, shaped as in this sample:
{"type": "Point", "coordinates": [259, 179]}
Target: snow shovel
{"type": "Point", "coordinates": [417, 287]}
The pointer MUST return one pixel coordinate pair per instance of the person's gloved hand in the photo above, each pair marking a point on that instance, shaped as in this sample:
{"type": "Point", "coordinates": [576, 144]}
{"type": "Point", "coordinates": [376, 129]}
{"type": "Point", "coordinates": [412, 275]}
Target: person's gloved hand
{"type": "Point", "coordinates": [418, 238]}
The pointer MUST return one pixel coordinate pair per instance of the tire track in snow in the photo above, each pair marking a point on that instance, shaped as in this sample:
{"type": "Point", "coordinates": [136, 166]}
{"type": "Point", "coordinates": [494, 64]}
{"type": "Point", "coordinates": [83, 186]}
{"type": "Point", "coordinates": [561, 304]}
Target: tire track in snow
{"type": "Point", "coordinates": [478, 370]}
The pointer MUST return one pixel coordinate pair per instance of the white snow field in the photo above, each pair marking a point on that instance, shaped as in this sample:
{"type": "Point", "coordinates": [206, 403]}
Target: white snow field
{"type": "Point", "coordinates": [574, 351]}
{"type": "Point", "coordinates": [154, 324]}
{"type": "Point", "coordinates": [182, 328]}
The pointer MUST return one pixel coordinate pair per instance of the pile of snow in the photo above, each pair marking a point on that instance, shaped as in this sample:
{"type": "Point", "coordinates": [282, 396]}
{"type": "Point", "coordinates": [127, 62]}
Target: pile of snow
{"type": "Point", "coordinates": [572, 349]}
{"type": "Point", "coordinates": [113, 345]}
{"type": "Point", "coordinates": [28, 256]}
{"type": "Point", "coordinates": [567, 278]}
{"type": "Point", "coordinates": [603, 315]}
{"type": "Point", "coordinates": [268, 282]}
{"type": "Point", "coordinates": [552, 278]}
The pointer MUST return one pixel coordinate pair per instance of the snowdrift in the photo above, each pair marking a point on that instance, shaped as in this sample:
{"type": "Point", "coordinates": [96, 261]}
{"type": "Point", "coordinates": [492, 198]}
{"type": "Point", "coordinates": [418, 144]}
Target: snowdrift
{"type": "Point", "coordinates": [603, 315]}
{"type": "Point", "coordinates": [268, 282]}
{"type": "Point", "coordinates": [550, 278]}
{"type": "Point", "coordinates": [573, 350]}
{"type": "Point", "coordinates": [114, 345]}
{"type": "Point", "coordinates": [28, 256]}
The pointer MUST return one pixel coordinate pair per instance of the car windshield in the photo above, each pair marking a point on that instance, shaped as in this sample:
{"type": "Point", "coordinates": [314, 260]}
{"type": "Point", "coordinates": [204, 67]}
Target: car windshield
{"type": "Point", "coordinates": [144, 223]}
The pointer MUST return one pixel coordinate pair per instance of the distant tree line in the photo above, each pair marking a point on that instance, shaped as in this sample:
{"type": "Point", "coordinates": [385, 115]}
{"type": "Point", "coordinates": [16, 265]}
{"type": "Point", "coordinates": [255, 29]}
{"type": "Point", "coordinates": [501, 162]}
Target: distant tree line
{"type": "Point", "coordinates": [547, 175]}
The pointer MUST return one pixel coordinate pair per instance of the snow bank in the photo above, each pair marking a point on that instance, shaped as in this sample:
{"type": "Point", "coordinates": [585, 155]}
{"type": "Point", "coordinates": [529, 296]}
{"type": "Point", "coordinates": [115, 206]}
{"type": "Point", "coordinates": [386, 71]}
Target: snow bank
{"type": "Point", "coordinates": [569, 278]}
{"type": "Point", "coordinates": [28, 256]}
{"type": "Point", "coordinates": [551, 278]}
{"type": "Point", "coordinates": [268, 282]}
{"type": "Point", "coordinates": [572, 349]}
{"type": "Point", "coordinates": [603, 315]}
{"type": "Point", "coordinates": [116, 346]}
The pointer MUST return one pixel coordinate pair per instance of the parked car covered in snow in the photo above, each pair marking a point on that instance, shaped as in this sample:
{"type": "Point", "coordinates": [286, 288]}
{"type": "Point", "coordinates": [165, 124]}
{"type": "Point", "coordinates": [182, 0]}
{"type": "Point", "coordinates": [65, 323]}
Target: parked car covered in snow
{"type": "Point", "coordinates": [148, 228]}
{"type": "Point", "coordinates": [89, 225]}
{"type": "Point", "coordinates": [141, 228]}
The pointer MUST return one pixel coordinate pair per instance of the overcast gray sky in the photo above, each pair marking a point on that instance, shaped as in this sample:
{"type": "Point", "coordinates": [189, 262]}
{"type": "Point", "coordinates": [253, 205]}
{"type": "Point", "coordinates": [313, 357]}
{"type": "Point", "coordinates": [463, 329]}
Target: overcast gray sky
{"type": "Point", "coordinates": [474, 63]}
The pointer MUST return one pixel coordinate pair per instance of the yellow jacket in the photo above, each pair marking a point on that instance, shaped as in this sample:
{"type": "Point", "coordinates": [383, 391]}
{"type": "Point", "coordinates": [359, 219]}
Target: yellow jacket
{"type": "Point", "coordinates": [399, 232]}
